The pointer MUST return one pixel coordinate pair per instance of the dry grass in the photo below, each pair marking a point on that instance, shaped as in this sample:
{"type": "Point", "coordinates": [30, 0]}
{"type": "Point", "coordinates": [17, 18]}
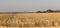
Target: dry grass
{"type": "Point", "coordinates": [28, 27]}
{"type": "Point", "coordinates": [30, 20]}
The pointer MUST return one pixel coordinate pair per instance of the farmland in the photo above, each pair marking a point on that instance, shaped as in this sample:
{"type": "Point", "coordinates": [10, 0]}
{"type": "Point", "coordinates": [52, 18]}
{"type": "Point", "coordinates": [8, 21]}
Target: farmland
{"type": "Point", "coordinates": [30, 20]}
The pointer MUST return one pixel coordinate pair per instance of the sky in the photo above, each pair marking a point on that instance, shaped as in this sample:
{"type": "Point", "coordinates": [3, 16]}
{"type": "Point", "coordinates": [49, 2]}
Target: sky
{"type": "Point", "coordinates": [28, 5]}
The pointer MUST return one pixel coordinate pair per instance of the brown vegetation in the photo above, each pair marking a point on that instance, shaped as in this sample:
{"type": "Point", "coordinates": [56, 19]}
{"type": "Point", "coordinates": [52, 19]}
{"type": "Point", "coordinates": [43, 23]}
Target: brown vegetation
{"type": "Point", "coordinates": [30, 20]}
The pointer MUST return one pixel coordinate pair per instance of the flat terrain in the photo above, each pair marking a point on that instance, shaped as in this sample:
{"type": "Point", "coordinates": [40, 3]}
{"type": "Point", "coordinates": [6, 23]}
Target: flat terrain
{"type": "Point", "coordinates": [30, 20]}
{"type": "Point", "coordinates": [29, 27]}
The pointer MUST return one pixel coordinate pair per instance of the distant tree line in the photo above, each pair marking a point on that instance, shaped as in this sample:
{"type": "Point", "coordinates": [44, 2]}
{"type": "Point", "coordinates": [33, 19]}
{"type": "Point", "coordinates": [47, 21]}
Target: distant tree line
{"type": "Point", "coordinates": [48, 11]}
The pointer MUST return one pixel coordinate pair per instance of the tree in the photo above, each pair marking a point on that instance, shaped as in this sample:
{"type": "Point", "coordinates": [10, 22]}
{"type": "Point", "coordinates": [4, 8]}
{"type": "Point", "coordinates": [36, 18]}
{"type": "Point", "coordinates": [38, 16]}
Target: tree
{"type": "Point", "coordinates": [49, 10]}
{"type": "Point", "coordinates": [38, 12]}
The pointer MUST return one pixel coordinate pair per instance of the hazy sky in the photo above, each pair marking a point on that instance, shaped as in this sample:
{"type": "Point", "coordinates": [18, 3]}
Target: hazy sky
{"type": "Point", "coordinates": [28, 5]}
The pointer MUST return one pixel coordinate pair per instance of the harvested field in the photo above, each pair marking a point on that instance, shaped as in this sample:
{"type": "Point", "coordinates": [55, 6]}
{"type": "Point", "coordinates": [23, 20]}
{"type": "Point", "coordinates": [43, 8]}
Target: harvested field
{"type": "Point", "coordinates": [30, 20]}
